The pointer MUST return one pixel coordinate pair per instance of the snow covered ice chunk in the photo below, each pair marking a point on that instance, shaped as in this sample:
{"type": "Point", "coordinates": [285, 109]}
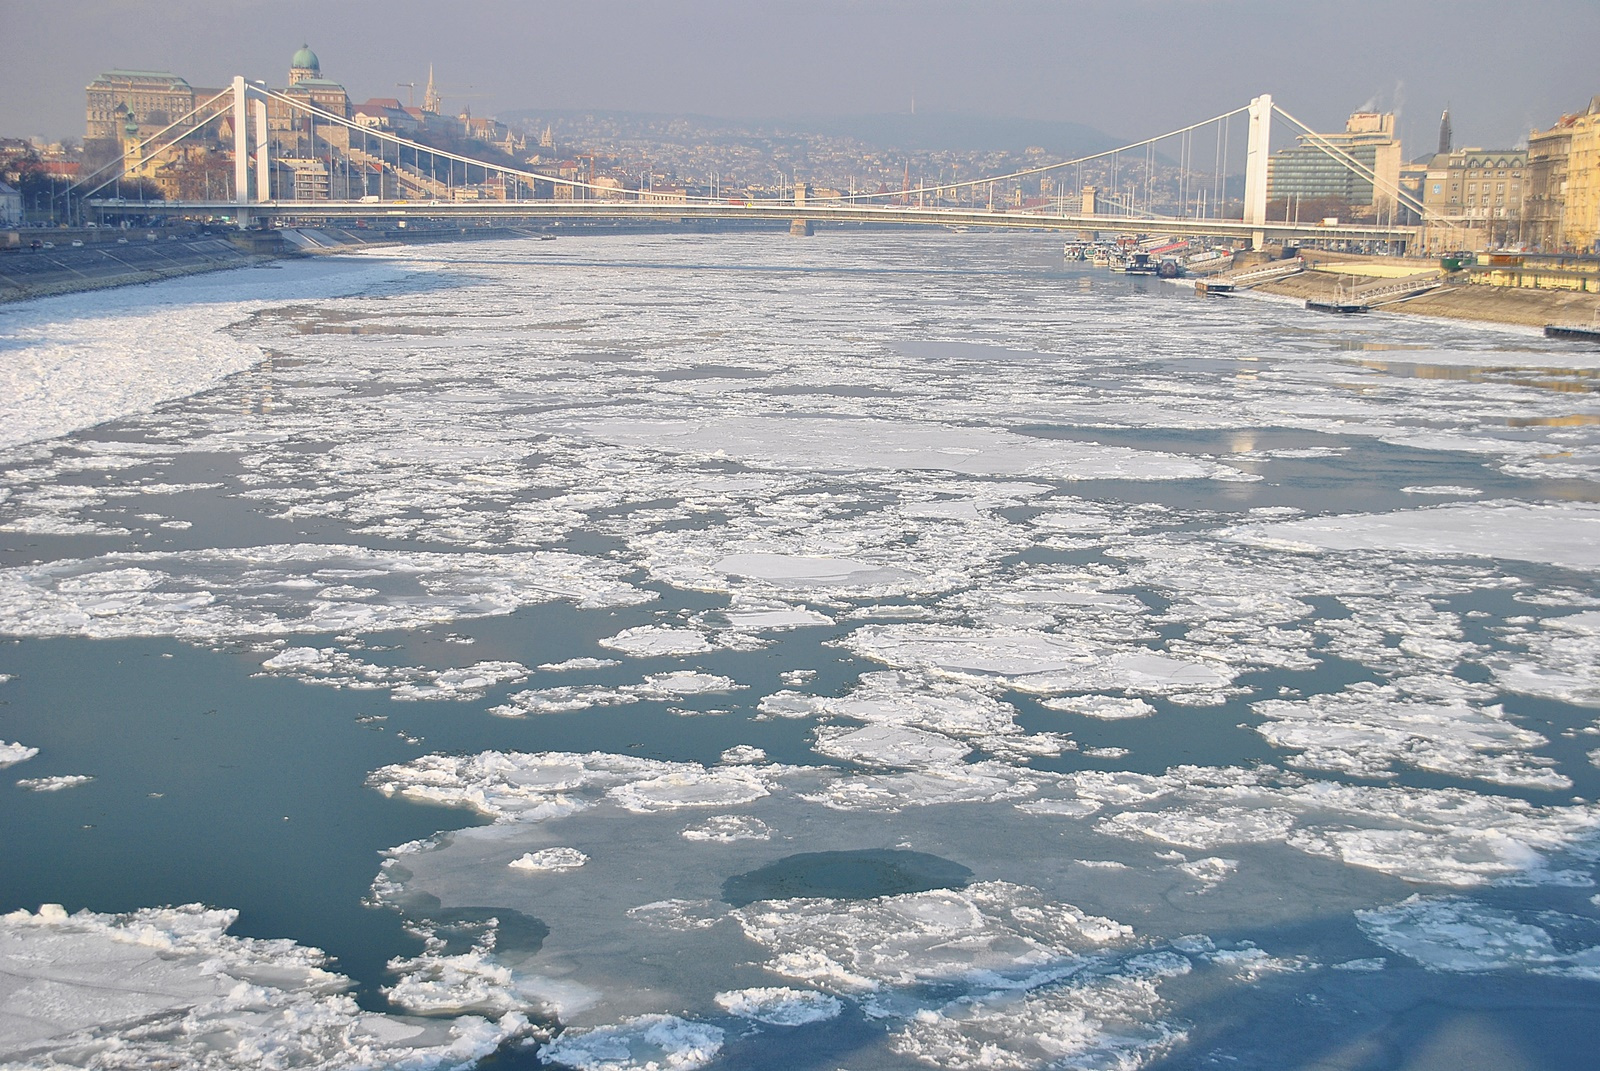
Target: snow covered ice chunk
{"type": "Point", "coordinates": [340, 669]}
{"type": "Point", "coordinates": [727, 828]}
{"type": "Point", "coordinates": [1038, 662]}
{"type": "Point", "coordinates": [224, 594]}
{"type": "Point", "coordinates": [771, 618]}
{"type": "Point", "coordinates": [1562, 661]}
{"type": "Point", "coordinates": [1453, 933]}
{"type": "Point", "coordinates": [780, 1005]}
{"type": "Point", "coordinates": [1367, 730]}
{"type": "Point", "coordinates": [684, 682]}
{"type": "Point", "coordinates": [652, 641]}
{"type": "Point", "coordinates": [888, 745]}
{"type": "Point", "coordinates": [830, 444]}
{"type": "Point", "coordinates": [11, 754]}
{"type": "Point", "coordinates": [83, 359]}
{"type": "Point", "coordinates": [54, 784]}
{"type": "Point", "coordinates": [170, 987]}
{"type": "Point", "coordinates": [996, 932]}
{"type": "Point", "coordinates": [552, 860]}
{"type": "Point", "coordinates": [1565, 534]}
{"type": "Point", "coordinates": [1440, 489]}
{"type": "Point", "coordinates": [1442, 836]}
{"type": "Point", "coordinates": [563, 698]}
{"type": "Point", "coordinates": [642, 1043]}
{"type": "Point", "coordinates": [578, 663]}
{"type": "Point", "coordinates": [1105, 707]}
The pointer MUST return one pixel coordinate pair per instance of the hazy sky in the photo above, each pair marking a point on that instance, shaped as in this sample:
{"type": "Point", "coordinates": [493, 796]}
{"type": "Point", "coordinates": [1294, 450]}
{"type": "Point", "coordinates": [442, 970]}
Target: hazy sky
{"type": "Point", "coordinates": [1132, 68]}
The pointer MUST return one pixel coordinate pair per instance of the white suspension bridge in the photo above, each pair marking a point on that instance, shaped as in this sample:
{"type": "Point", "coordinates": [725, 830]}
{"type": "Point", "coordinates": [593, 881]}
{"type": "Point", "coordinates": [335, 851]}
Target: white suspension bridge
{"type": "Point", "coordinates": [492, 191]}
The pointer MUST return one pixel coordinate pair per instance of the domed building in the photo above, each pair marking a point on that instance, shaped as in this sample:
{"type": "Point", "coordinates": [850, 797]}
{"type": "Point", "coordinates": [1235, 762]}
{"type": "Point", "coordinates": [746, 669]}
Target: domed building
{"type": "Point", "coordinates": [304, 65]}
{"type": "Point", "coordinates": [307, 84]}
{"type": "Point", "coordinates": [305, 142]}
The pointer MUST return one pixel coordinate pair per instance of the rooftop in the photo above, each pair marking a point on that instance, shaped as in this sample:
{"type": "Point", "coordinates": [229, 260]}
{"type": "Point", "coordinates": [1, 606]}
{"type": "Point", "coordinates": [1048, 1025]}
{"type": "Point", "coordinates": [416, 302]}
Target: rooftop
{"type": "Point", "coordinates": [165, 76]}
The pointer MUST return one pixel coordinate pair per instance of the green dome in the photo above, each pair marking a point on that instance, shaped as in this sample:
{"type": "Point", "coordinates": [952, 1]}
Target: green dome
{"type": "Point", "coordinates": [305, 60]}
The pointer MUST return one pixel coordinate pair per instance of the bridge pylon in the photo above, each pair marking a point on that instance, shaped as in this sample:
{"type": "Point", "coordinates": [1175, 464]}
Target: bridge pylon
{"type": "Point", "coordinates": [241, 150]}
{"type": "Point", "coordinates": [1255, 167]}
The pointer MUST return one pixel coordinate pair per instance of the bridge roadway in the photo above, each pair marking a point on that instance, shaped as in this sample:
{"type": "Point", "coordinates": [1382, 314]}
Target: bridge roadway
{"type": "Point", "coordinates": [776, 211]}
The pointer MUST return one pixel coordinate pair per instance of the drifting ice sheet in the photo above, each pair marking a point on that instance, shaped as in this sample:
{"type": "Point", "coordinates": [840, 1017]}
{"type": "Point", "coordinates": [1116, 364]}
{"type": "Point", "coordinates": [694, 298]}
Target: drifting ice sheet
{"type": "Point", "coordinates": [168, 987]}
{"type": "Point", "coordinates": [1565, 534]}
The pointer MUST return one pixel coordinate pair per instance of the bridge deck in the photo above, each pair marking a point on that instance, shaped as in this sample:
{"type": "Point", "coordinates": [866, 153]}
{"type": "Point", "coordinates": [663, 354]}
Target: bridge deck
{"type": "Point", "coordinates": [777, 211]}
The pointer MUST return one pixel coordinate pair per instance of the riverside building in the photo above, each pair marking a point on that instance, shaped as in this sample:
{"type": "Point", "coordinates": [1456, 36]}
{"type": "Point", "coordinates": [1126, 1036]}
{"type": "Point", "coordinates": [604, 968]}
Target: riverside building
{"type": "Point", "coordinates": [1563, 202]}
{"type": "Point", "coordinates": [1310, 172]}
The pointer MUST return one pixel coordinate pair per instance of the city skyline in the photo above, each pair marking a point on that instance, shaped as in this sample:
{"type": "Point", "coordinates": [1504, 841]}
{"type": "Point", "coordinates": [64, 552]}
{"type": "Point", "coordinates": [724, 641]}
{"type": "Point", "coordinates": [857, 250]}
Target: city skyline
{"type": "Point", "coordinates": [1124, 70]}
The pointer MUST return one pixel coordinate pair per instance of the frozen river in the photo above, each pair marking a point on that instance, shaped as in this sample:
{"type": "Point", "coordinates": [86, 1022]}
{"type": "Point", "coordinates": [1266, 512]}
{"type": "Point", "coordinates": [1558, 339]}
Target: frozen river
{"type": "Point", "coordinates": [883, 651]}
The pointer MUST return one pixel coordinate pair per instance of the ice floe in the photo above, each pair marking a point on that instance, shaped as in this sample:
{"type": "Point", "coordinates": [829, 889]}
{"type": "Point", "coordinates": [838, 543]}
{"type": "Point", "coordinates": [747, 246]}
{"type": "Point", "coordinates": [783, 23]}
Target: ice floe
{"type": "Point", "coordinates": [54, 783]}
{"type": "Point", "coordinates": [1565, 534]}
{"type": "Point", "coordinates": [1443, 836]}
{"type": "Point", "coordinates": [169, 987]}
{"type": "Point", "coordinates": [213, 595]}
{"type": "Point", "coordinates": [1457, 934]}
{"type": "Point", "coordinates": [1367, 730]}
{"type": "Point", "coordinates": [653, 641]}
{"type": "Point", "coordinates": [83, 359]}
{"type": "Point", "coordinates": [1105, 707]}
{"type": "Point", "coordinates": [780, 1005]}
{"type": "Point", "coordinates": [340, 669]}
{"type": "Point", "coordinates": [1560, 661]}
{"type": "Point", "coordinates": [727, 828]}
{"type": "Point", "coordinates": [1039, 662]}
{"type": "Point", "coordinates": [549, 859]}
{"type": "Point", "coordinates": [11, 754]}
{"type": "Point", "coordinates": [643, 1043]}
{"type": "Point", "coordinates": [830, 444]}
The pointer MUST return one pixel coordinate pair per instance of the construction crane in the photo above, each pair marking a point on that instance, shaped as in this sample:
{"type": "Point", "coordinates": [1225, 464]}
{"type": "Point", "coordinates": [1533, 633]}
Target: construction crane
{"type": "Point", "coordinates": [411, 92]}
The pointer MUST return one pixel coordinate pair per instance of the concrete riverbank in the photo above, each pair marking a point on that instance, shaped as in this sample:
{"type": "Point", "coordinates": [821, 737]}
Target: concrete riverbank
{"type": "Point", "coordinates": [68, 262]}
{"type": "Point", "coordinates": [1454, 300]}
{"type": "Point", "coordinates": [31, 273]}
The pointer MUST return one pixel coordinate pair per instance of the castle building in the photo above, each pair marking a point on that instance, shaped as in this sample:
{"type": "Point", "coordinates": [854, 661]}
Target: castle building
{"type": "Point", "coordinates": [304, 65]}
{"type": "Point", "coordinates": [150, 98]}
{"type": "Point", "coordinates": [307, 84]}
{"type": "Point", "coordinates": [296, 134]}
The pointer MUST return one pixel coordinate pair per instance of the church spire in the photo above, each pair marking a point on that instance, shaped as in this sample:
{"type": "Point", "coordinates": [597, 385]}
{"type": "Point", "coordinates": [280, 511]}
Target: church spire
{"type": "Point", "coordinates": [1446, 135]}
{"type": "Point", "coordinates": [430, 98]}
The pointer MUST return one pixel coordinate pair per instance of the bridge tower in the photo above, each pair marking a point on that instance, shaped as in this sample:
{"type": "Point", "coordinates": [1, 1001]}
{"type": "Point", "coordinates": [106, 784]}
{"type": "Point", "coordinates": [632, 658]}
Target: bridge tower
{"type": "Point", "coordinates": [241, 151]}
{"type": "Point", "coordinates": [1255, 166]}
{"type": "Point", "coordinates": [263, 154]}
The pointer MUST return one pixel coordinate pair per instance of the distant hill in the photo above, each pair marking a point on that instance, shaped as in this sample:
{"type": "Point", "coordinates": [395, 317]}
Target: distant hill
{"type": "Point", "coordinates": [964, 133]}
{"type": "Point", "coordinates": [910, 133]}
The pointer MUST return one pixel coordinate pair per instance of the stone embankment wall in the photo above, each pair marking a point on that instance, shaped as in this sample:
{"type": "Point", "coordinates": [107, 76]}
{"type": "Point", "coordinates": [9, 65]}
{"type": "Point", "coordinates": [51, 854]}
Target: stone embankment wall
{"type": "Point", "coordinates": [30, 273]}
{"type": "Point", "coordinates": [102, 261]}
{"type": "Point", "coordinates": [1454, 300]}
